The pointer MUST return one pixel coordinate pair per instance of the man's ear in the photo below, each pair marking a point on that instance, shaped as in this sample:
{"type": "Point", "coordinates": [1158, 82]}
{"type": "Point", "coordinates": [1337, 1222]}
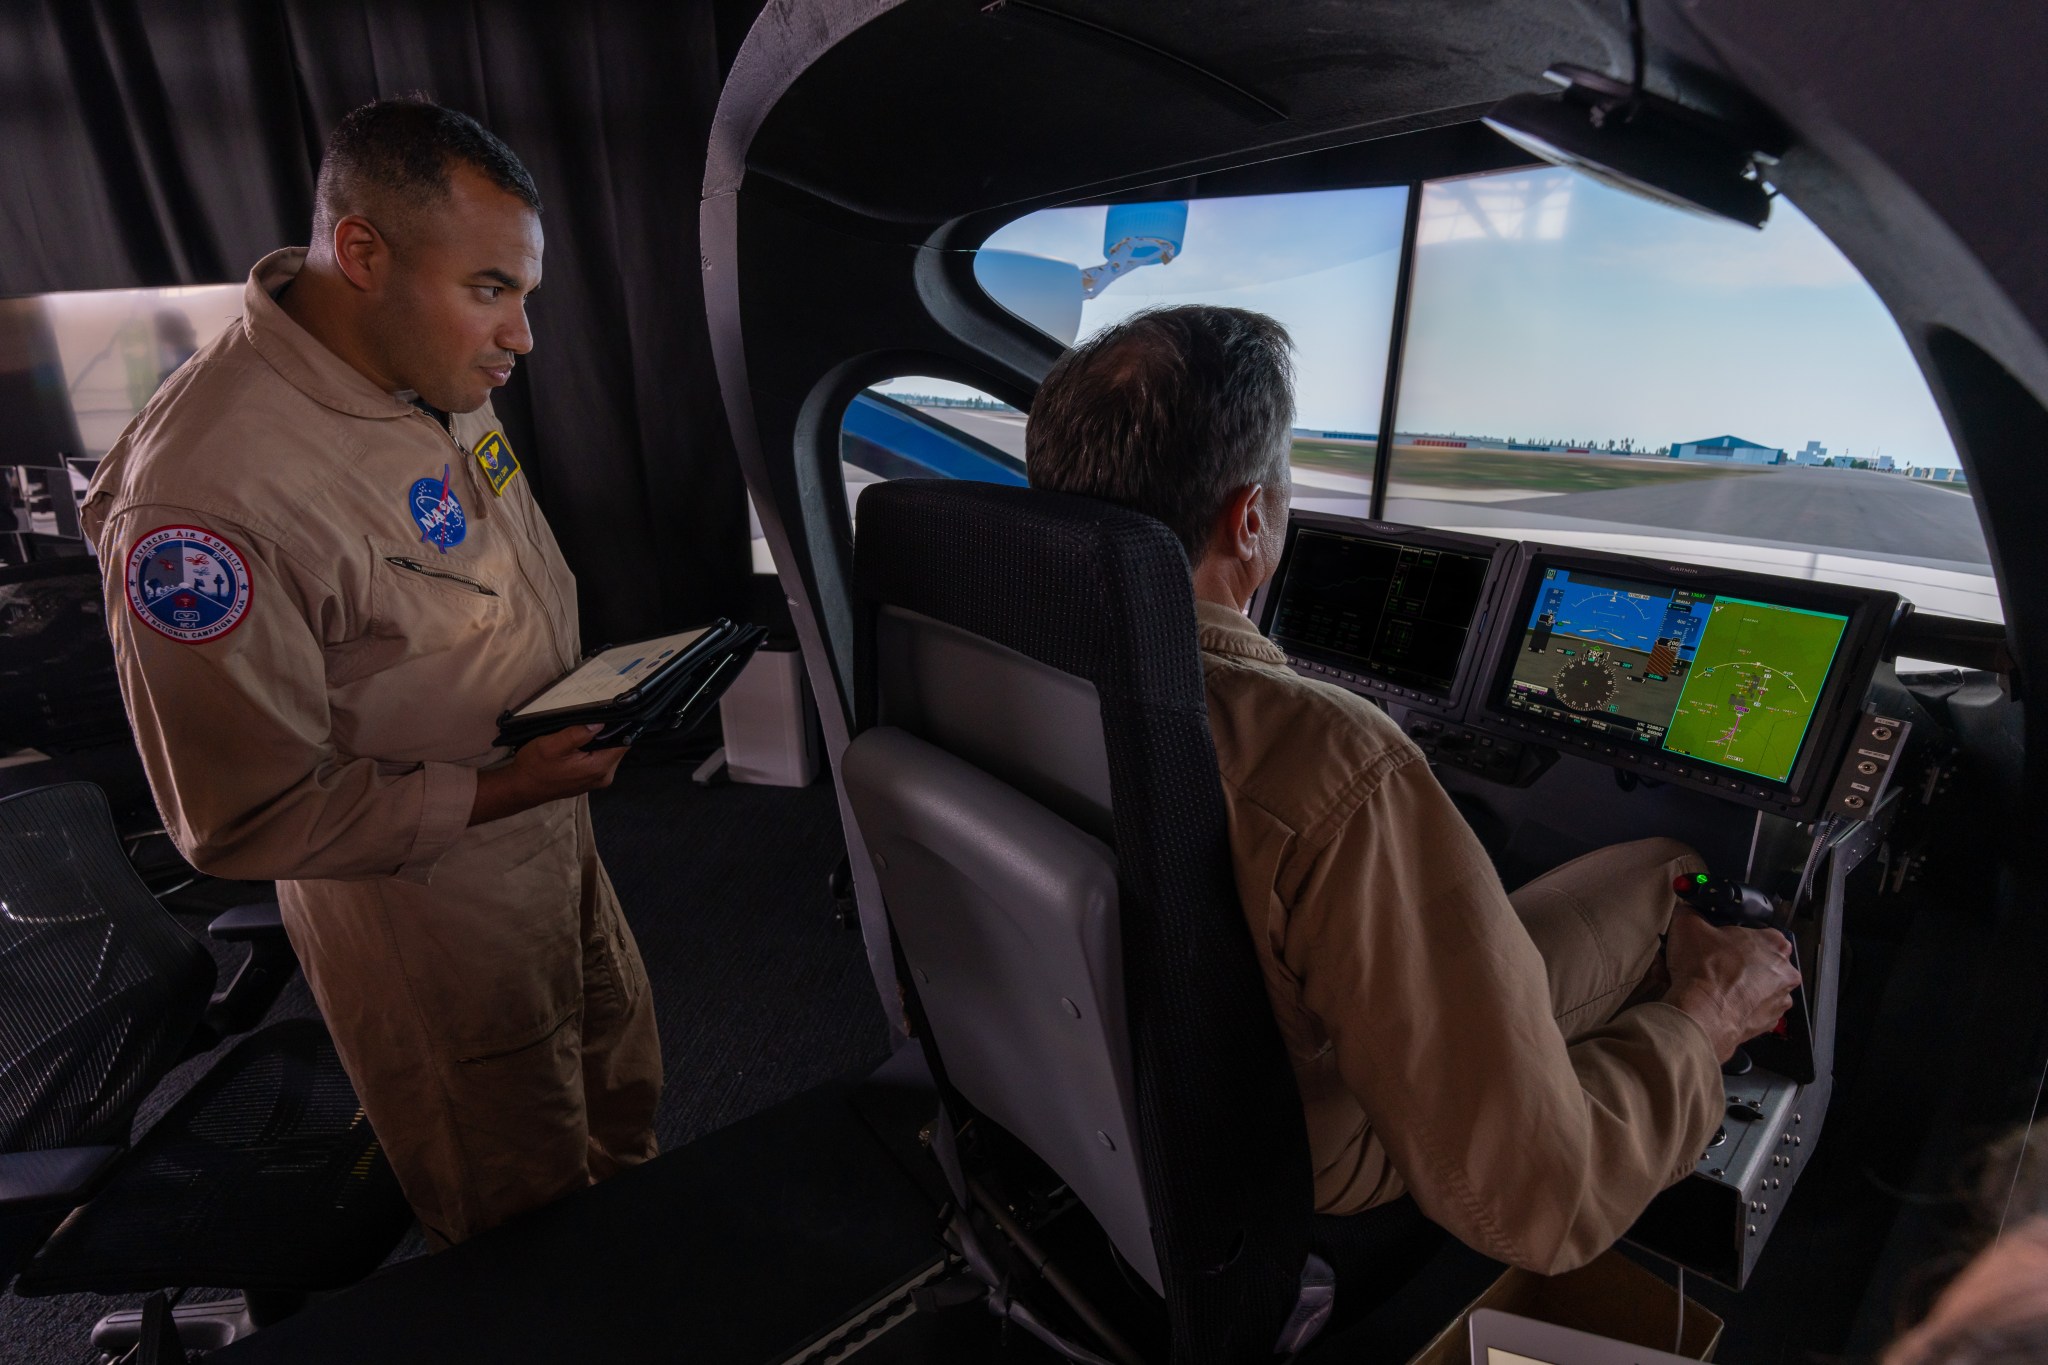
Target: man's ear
{"type": "Point", "coordinates": [360, 252]}
{"type": "Point", "coordinates": [1244, 522]}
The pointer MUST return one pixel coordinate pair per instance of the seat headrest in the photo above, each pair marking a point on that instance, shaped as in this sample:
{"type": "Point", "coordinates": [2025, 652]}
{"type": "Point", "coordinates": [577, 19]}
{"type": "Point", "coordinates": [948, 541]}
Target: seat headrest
{"type": "Point", "coordinates": [1083, 586]}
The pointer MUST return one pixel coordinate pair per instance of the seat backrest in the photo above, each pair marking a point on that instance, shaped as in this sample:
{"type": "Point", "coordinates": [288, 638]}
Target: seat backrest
{"type": "Point", "coordinates": [1036, 775]}
{"type": "Point", "coordinates": [100, 988]}
{"type": "Point", "coordinates": [1007, 916]}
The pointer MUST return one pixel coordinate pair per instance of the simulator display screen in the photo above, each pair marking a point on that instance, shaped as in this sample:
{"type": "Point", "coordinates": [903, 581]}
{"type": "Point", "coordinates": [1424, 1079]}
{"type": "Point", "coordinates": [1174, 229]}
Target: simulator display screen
{"type": "Point", "coordinates": [1398, 612]}
{"type": "Point", "coordinates": [1724, 680]}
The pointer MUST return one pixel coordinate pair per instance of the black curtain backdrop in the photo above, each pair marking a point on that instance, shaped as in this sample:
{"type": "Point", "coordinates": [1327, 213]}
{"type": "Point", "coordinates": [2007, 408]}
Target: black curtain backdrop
{"type": "Point", "coordinates": [166, 143]}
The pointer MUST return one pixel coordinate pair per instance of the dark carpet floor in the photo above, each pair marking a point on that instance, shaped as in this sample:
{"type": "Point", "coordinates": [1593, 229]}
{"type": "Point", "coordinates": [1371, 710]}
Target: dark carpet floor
{"type": "Point", "coordinates": [759, 994]}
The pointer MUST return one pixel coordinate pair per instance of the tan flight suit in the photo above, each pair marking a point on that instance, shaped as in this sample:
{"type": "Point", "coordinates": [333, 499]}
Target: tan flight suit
{"type": "Point", "coordinates": [1450, 1041]}
{"type": "Point", "coordinates": [313, 691]}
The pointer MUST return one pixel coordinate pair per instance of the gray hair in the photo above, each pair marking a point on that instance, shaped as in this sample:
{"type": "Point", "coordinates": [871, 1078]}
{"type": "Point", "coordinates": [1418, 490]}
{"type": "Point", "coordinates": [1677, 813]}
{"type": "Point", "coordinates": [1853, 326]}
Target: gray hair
{"type": "Point", "coordinates": [1169, 413]}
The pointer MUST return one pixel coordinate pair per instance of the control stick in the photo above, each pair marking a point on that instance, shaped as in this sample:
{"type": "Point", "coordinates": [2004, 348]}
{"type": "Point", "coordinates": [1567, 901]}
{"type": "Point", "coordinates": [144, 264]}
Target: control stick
{"type": "Point", "coordinates": [1730, 904]}
{"type": "Point", "coordinates": [1722, 901]}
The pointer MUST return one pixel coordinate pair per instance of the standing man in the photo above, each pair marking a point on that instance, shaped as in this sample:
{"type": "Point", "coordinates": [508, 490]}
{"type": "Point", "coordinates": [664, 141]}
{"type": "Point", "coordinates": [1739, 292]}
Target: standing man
{"type": "Point", "coordinates": [325, 580]}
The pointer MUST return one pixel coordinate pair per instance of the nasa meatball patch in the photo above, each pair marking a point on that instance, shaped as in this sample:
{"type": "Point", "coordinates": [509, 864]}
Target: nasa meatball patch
{"type": "Point", "coordinates": [438, 512]}
{"type": "Point", "coordinates": [188, 584]}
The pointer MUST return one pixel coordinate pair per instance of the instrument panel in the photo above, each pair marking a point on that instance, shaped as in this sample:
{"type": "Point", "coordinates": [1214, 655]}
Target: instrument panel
{"type": "Point", "coordinates": [1393, 611]}
{"type": "Point", "coordinates": [1745, 685]}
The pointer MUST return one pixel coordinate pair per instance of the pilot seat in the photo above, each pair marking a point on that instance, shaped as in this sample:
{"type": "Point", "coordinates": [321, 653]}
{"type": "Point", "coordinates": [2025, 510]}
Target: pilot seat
{"type": "Point", "coordinates": [1035, 782]}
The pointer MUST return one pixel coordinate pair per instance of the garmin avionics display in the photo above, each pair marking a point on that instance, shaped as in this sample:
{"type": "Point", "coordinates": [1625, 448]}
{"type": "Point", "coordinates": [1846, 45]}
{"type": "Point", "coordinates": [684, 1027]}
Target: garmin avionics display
{"type": "Point", "coordinates": [1712, 677]}
{"type": "Point", "coordinates": [1398, 612]}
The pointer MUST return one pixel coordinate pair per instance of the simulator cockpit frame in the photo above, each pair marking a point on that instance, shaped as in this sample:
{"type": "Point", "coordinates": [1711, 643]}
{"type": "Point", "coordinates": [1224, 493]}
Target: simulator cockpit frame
{"type": "Point", "coordinates": [1765, 768]}
{"type": "Point", "coordinates": [1596, 576]}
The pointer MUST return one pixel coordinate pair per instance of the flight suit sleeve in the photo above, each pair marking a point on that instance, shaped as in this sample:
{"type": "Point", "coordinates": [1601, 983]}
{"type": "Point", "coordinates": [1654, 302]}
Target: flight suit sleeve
{"type": "Point", "coordinates": [236, 733]}
{"type": "Point", "coordinates": [1435, 999]}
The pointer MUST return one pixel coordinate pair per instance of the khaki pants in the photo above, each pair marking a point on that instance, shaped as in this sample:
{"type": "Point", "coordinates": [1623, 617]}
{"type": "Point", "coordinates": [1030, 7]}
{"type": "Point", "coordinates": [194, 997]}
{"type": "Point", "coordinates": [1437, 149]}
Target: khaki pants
{"type": "Point", "coordinates": [497, 1022]}
{"type": "Point", "coordinates": [1598, 921]}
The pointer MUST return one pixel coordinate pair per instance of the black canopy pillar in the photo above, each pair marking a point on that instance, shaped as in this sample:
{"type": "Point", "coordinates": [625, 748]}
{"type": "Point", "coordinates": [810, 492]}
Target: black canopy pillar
{"type": "Point", "coordinates": [823, 294]}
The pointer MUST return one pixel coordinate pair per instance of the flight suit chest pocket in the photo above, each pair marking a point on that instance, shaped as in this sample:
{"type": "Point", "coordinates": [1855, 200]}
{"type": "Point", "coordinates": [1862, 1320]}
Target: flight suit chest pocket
{"type": "Point", "coordinates": [431, 600]}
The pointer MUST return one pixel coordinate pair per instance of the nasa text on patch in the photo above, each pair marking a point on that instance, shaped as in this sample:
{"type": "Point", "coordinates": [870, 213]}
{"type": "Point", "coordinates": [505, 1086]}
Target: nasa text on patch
{"type": "Point", "coordinates": [188, 584]}
{"type": "Point", "coordinates": [437, 511]}
{"type": "Point", "coordinates": [500, 465]}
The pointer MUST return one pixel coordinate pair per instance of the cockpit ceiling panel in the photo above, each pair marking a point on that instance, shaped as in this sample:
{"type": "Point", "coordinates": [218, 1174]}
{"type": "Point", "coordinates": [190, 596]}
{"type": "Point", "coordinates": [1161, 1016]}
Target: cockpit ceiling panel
{"type": "Point", "coordinates": [943, 107]}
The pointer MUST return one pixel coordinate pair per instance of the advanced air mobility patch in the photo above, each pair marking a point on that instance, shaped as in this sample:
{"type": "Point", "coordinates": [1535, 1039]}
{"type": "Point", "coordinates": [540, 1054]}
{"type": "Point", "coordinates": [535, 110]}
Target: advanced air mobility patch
{"type": "Point", "coordinates": [434, 506]}
{"type": "Point", "coordinates": [187, 584]}
{"type": "Point", "coordinates": [500, 465]}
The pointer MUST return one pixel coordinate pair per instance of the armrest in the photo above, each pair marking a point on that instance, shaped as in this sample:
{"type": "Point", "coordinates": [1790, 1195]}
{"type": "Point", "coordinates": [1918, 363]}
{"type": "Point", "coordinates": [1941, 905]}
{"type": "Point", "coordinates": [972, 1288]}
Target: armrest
{"type": "Point", "coordinates": [241, 1005]}
{"type": "Point", "coordinates": [248, 923]}
{"type": "Point", "coordinates": [59, 1177]}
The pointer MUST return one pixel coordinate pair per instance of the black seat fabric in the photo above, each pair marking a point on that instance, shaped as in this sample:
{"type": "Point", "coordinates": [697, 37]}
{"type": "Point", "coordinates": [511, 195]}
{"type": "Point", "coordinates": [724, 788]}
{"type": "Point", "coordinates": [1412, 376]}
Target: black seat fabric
{"type": "Point", "coordinates": [1102, 594]}
{"type": "Point", "coordinates": [99, 988]}
{"type": "Point", "coordinates": [265, 1176]}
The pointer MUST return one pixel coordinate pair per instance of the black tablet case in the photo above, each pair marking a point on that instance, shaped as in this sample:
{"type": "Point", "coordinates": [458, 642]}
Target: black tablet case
{"type": "Point", "coordinates": [678, 696]}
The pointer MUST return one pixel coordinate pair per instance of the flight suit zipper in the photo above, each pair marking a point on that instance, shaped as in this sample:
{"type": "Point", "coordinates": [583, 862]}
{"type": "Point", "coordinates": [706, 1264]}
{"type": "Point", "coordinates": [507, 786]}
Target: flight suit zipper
{"type": "Point", "coordinates": [414, 566]}
{"type": "Point", "coordinates": [462, 457]}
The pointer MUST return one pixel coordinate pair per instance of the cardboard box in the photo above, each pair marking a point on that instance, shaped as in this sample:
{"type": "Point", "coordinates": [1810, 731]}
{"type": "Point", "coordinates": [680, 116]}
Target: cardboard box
{"type": "Point", "coordinates": [1612, 1297]}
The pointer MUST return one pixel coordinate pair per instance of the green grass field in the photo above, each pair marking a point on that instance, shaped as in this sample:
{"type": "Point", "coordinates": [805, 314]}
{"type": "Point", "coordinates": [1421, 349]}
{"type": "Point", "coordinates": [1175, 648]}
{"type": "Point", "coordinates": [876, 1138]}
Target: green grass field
{"type": "Point", "coordinates": [1438, 467]}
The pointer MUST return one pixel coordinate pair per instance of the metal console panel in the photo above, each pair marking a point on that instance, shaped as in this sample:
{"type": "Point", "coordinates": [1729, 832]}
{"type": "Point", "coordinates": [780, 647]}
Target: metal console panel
{"type": "Point", "coordinates": [1718, 1219]}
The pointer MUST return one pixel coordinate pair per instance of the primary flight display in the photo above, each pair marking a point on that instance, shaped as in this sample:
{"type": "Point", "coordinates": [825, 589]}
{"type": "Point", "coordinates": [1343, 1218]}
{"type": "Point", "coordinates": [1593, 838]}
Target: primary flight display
{"type": "Point", "coordinates": [1716, 678]}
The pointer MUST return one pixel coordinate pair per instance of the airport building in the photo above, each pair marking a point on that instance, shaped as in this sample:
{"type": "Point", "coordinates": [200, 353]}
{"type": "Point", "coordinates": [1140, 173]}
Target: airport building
{"type": "Point", "coordinates": [1729, 450]}
{"type": "Point", "coordinates": [1435, 440]}
{"type": "Point", "coordinates": [1813, 454]}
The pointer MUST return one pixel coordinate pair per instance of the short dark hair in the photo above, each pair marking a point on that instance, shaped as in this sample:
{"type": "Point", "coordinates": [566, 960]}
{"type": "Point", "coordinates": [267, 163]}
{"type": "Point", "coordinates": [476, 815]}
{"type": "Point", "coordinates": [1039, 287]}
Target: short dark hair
{"type": "Point", "coordinates": [1169, 413]}
{"type": "Point", "coordinates": [399, 151]}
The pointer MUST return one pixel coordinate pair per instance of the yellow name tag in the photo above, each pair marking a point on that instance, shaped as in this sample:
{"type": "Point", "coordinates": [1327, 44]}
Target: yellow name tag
{"type": "Point", "coordinates": [499, 464]}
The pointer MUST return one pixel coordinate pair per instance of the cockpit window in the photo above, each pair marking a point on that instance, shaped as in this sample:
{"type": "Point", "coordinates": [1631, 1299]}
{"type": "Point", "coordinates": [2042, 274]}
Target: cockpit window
{"type": "Point", "coordinates": [1580, 367]}
{"type": "Point", "coordinates": [924, 428]}
{"type": "Point", "coordinates": [918, 427]}
{"type": "Point", "coordinates": [1586, 368]}
{"type": "Point", "coordinates": [1323, 262]}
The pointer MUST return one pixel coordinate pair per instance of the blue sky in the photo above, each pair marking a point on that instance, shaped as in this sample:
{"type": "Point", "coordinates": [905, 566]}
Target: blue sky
{"type": "Point", "coordinates": [1546, 305]}
{"type": "Point", "coordinates": [1324, 264]}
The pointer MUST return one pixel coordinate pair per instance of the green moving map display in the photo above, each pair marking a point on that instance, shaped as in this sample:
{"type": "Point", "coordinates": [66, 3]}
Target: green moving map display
{"type": "Point", "coordinates": [1755, 680]}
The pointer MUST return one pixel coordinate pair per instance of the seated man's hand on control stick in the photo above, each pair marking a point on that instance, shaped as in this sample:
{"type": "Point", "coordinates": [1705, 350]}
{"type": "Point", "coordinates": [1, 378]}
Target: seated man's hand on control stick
{"type": "Point", "coordinates": [1735, 983]}
{"type": "Point", "coordinates": [551, 768]}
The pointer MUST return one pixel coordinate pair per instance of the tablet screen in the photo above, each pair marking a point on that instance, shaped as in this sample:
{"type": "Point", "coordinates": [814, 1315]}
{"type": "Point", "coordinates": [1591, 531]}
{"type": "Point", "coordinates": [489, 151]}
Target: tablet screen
{"type": "Point", "coordinates": [610, 674]}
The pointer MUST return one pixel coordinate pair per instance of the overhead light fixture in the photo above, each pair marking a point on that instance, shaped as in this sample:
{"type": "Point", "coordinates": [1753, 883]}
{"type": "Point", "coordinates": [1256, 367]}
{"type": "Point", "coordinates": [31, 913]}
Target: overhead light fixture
{"type": "Point", "coordinates": [1623, 136]}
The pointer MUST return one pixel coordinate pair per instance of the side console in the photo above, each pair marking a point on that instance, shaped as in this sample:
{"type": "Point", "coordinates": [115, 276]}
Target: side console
{"type": "Point", "coordinates": [1718, 1219]}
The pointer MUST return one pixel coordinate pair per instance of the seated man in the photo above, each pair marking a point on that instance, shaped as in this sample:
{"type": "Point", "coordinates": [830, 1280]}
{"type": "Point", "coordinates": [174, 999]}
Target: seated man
{"type": "Point", "coordinates": [1522, 1065]}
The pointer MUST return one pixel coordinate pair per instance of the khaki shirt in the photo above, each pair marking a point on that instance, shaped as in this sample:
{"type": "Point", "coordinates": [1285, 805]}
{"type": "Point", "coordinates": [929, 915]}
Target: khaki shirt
{"type": "Point", "coordinates": [335, 730]}
{"type": "Point", "coordinates": [1413, 1003]}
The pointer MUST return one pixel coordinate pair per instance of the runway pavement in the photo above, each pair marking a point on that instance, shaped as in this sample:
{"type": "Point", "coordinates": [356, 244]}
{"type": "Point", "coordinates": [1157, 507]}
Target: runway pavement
{"type": "Point", "coordinates": [1887, 515]}
{"type": "Point", "coordinates": [1003, 430]}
